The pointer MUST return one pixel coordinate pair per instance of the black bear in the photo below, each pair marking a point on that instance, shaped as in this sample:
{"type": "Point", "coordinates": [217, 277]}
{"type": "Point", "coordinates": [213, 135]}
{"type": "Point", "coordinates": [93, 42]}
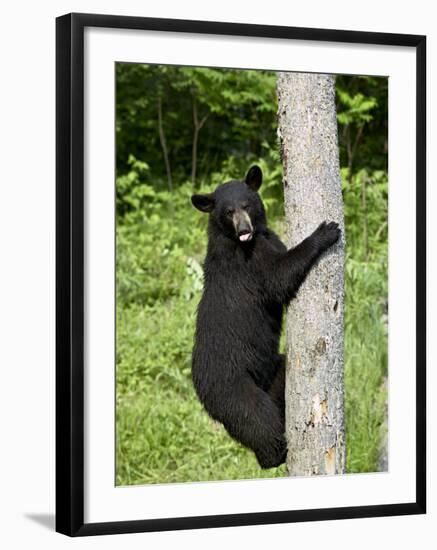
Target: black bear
{"type": "Point", "coordinates": [249, 276]}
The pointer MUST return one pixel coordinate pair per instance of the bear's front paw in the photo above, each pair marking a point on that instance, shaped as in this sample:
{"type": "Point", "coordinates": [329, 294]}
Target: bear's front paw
{"type": "Point", "coordinates": [327, 234]}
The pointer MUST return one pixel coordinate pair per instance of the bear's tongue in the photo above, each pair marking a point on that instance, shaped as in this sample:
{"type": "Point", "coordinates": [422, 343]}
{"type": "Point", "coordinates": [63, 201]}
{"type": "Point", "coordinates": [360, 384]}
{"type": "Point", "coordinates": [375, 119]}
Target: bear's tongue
{"type": "Point", "coordinates": [244, 237]}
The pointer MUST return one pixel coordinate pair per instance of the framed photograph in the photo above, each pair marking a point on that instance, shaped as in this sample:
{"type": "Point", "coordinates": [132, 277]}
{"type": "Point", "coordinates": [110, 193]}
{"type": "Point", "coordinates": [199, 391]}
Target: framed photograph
{"type": "Point", "coordinates": [240, 274]}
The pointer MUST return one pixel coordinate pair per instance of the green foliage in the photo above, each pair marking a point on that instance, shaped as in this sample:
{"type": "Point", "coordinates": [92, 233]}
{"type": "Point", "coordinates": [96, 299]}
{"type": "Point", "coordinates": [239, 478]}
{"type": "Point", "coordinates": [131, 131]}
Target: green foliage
{"type": "Point", "coordinates": [365, 210]}
{"type": "Point", "coordinates": [357, 108]}
{"type": "Point", "coordinates": [238, 107]}
{"type": "Point", "coordinates": [362, 107]}
{"type": "Point", "coordinates": [154, 247]}
{"type": "Point", "coordinates": [163, 433]}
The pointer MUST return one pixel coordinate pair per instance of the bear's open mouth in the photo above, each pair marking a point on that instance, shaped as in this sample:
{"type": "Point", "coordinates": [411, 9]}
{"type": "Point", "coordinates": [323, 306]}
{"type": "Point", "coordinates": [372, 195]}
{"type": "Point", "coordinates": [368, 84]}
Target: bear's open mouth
{"type": "Point", "coordinates": [245, 236]}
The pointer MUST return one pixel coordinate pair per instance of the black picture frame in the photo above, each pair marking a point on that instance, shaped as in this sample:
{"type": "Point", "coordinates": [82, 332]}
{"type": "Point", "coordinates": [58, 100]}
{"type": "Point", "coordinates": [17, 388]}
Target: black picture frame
{"type": "Point", "coordinates": [70, 272]}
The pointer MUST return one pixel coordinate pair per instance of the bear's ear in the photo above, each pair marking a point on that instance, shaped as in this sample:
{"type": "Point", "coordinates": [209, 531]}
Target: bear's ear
{"type": "Point", "coordinates": [254, 178]}
{"type": "Point", "coordinates": [204, 203]}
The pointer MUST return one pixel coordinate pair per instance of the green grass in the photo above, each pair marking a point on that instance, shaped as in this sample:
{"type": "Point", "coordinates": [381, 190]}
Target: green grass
{"type": "Point", "coordinates": [163, 433]}
{"type": "Point", "coordinates": [365, 368]}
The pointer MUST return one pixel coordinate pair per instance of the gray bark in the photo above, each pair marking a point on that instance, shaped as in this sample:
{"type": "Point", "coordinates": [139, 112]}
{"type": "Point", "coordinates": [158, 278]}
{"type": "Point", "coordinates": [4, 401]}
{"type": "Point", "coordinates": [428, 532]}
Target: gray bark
{"type": "Point", "coordinates": [314, 325]}
{"type": "Point", "coordinates": [164, 145]}
{"type": "Point", "coordinates": [197, 126]}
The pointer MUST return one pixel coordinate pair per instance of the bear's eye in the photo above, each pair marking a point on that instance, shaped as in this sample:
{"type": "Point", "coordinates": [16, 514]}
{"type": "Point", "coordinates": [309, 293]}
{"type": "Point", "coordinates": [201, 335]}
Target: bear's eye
{"type": "Point", "coordinates": [245, 206]}
{"type": "Point", "coordinates": [229, 212]}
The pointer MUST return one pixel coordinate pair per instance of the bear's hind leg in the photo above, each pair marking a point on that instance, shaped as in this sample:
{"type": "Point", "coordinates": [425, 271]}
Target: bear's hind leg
{"type": "Point", "coordinates": [277, 390]}
{"type": "Point", "coordinates": [257, 422]}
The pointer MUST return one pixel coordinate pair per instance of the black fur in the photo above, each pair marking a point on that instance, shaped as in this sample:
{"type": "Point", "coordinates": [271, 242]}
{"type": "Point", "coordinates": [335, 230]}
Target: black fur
{"type": "Point", "coordinates": [250, 276]}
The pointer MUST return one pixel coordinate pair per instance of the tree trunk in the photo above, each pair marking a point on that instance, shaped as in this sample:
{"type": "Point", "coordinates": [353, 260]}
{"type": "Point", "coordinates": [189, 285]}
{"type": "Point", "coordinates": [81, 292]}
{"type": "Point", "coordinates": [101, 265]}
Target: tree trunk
{"type": "Point", "coordinates": [364, 207]}
{"type": "Point", "coordinates": [314, 326]}
{"type": "Point", "coordinates": [197, 126]}
{"type": "Point", "coordinates": [164, 145]}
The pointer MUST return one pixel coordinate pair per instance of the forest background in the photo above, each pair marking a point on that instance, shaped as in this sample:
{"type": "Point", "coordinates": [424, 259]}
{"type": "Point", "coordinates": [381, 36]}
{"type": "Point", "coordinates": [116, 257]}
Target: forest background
{"type": "Point", "coordinates": [181, 130]}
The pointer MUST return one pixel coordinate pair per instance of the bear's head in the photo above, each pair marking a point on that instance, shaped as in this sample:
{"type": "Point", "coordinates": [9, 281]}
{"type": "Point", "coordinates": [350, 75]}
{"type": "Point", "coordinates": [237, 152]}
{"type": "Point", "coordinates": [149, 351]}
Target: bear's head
{"type": "Point", "coordinates": [235, 207]}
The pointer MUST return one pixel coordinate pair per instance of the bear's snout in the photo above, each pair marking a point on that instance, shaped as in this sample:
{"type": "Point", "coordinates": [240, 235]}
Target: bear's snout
{"type": "Point", "coordinates": [243, 225]}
